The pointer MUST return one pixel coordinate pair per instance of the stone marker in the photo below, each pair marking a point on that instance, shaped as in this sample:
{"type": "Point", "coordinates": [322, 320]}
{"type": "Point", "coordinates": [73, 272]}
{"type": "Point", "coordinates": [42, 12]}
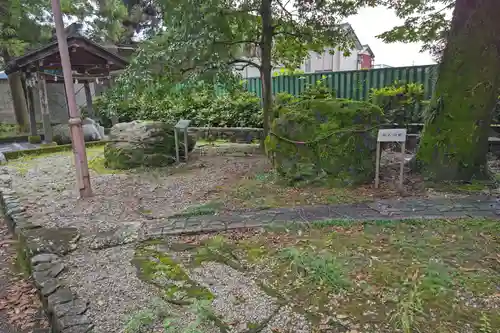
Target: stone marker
{"type": "Point", "coordinates": [391, 135]}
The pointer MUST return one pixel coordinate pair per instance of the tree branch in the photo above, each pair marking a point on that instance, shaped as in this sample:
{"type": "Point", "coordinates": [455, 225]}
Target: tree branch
{"type": "Point", "coordinates": [284, 9]}
{"type": "Point", "coordinates": [237, 42]}
{"type": "Point", "coordinates": [245, 61]}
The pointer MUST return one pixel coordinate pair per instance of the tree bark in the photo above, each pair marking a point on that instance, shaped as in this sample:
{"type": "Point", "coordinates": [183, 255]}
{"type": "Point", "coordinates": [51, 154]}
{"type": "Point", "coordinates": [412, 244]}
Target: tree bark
{"type": "Point", "coordinates": [454, 142]}
{"type": "Point", "coordinates": [18, 96]}
{"type": "Point", "coordinates": [266, 67]}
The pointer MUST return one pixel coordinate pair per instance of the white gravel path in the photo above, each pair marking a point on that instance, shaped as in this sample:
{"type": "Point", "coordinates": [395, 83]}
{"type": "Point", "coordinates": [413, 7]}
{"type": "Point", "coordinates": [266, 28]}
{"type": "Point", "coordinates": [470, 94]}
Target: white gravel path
{"type": "Point", "coordinates": [47, 187]}
{"type": "Point", "coordinates": [107, 278]}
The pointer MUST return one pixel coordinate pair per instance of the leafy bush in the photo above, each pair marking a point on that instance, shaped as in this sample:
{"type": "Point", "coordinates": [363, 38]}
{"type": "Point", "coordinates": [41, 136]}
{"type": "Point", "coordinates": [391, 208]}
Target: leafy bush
{"type": "Point", "coordinates": [336, 138]}
{"type": "Point", "coordinates": [401, 102]}
{"type": "Point", "coordinates": [202, 104]}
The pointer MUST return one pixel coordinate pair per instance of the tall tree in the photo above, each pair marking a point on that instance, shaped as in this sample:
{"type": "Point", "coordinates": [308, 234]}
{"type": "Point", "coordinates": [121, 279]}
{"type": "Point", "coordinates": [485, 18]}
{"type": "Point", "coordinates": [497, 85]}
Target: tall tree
{"type": "Point", "coordinates": [207, 35]}
{"type": "Point", "coordinates": [454, 142]}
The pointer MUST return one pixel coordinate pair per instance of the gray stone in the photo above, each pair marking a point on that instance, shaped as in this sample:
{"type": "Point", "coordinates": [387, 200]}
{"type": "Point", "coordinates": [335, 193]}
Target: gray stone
{"type": "Point", "coordinates": [5, 180]}
{"type": "Point", "coordinates": [142, 143]}
{"type": "Point", "coordinates": [43, 258]}
{"type": "Point", "coordinates": [79, 329]}
{"type": "Point", "coordinates": [7, 191]}
{"type": "Point", "coordinates": [43, 266]}
{"type": "Point", "coordinates": [127, 233]}
{"type": "Point", "coordinates": [75, 307]}
{"type": "Point", "coordinates": [41, 278]}
{"type": "Point", "coordinates": [42, 330]}
{"type": "Point", "coordinates": [62, 134]}
{"type": "Point", "coordinates": [15, 210]}
{"type": "Point", "coordinates": [50, 287]}
{"type": "Point", "coordinates": [56, 269]}
{"type": "Point", "coordinates": [61, 296]}
{"type": "Point", "coordinates": [73, 320]}
{"type": "Point", "coordinates": [52, 269]}
{"type": "Point", "coordinates": [51, 240]}
{"type": "Point", "coordinates": [3, 160]}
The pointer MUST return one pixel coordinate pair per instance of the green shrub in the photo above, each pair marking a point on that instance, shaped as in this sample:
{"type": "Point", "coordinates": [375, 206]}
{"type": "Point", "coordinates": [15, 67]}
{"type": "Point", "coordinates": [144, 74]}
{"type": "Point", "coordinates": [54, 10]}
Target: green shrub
{"type": "Point", "coordinates": [334, 138]}
{"type": "Point", "coordinates": [402, 102]}
{"type": "Point", "coordinates": [203, 105]}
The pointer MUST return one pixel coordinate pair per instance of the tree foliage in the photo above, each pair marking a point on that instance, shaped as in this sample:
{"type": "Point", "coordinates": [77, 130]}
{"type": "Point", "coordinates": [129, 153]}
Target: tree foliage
{"type": "Point", "coordinates": [426, 21]}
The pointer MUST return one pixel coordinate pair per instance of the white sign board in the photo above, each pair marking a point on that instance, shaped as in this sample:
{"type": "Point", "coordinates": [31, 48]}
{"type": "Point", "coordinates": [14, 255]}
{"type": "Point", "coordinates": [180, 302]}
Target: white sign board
{"type": "Point", "coordinates": [392, 135]}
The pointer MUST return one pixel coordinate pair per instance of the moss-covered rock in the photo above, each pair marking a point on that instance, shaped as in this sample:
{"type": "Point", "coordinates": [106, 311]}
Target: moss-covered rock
{"type": "Point", "coordinates": [143, 143]}
{"type": "Point", "coordinates": [325, 137]}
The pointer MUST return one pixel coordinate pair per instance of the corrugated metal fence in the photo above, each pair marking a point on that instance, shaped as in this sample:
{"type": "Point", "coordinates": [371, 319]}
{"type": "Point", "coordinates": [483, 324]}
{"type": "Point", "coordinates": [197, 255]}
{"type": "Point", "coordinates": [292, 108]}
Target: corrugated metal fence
{"type": "Point", "coordinates": [351, 84]}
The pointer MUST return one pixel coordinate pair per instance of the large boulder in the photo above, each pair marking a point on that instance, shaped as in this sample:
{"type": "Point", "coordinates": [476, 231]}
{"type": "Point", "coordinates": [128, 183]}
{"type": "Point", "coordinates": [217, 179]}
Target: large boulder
{"type": "Point", "coordinates": [318, 138]}
{"type": "Point", "coordinates": [143, 143]}
{"type": "Point", "coordinates": [91, 132]}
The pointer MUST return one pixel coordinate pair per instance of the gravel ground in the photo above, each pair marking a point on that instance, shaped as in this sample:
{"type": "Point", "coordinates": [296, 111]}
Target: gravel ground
{"type": "Point", "coordinates": [46, 186]}
{"type": "Point", "coordinates": [238, 299]}
{"type": "Point", "coordinates": [106, 277]}
{"type": "Point", "coordinates": [109, 281]}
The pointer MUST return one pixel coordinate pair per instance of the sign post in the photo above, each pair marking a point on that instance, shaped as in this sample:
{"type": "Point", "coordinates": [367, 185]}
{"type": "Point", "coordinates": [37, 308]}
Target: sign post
{"type": "Point", "coordinates": [182, 125]}
{"type": "Point", "coordinates": [391, 135]}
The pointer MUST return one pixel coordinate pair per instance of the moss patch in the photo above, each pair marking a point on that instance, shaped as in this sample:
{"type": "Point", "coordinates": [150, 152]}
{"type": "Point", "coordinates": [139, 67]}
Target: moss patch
{"type": "Point", "coordinates": [163, 271]}
{"type": "Point", "coordinates": [414, 275]}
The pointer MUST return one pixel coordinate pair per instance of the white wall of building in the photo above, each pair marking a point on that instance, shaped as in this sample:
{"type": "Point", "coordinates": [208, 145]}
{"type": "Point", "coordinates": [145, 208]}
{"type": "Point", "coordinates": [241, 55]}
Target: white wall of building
{"type": "Point", "coordinates": [317, 62]}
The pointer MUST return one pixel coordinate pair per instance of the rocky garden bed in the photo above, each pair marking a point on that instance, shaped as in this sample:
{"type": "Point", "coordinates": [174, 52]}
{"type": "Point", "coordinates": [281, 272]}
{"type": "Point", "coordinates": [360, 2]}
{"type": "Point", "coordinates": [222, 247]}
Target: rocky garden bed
{"type": "Point", "coordinates": [331, 277]}
{"type": "Point", "coordinates": [117, 263]}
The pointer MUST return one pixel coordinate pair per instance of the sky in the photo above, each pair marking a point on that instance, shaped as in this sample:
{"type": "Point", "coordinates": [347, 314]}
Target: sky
{"type": "Point", "coordinates": [369, 22]}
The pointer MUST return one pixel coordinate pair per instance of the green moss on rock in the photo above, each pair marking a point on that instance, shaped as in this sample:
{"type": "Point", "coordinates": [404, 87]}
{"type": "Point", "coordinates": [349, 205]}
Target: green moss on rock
{"type": "Point", "coordinates": [332, 137]}
{"type": "Point", "coordinates": [143, 144]}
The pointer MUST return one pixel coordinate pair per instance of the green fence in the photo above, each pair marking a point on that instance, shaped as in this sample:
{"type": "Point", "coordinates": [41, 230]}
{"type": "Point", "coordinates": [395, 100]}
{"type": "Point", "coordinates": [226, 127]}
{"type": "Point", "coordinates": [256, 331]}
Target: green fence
{"type": "Point", "coordinates": [351, 84]}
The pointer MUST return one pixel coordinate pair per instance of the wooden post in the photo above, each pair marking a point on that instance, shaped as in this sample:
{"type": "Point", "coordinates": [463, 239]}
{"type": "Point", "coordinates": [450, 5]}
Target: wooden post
{"type": "Point", "coordinates": [44, 107]}
{"type": "Point", "coordinates": [186, 144]}
{"type": "Point", "coordinates": [75, 121]}
{"type": "Point", "coordinates": [31, 106]}
{"type": "Point", "coordinates": [401, 170]}
{"type": "Point", "coordinates": [377, 165]}
{"type": "Point", "coordinates": [88, 97]}
{"type": "Point", "coordinates": [176, 145]}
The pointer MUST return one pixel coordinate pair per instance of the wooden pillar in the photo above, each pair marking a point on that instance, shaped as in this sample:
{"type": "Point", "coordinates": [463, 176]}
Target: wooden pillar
{"type": "Point", "coordinates": [28, 79]}
{"type": "Point", "coordinates": [31, 110]}
{"type": "Point", "coordinates": [88, 97]}
{"type": "Point", "coordinates": [44, 107]}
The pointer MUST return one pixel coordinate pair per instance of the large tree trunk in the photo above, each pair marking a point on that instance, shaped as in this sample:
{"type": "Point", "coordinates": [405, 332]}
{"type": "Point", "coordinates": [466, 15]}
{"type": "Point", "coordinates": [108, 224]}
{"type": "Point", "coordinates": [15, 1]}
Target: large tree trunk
{"type": "Point", "coordinates": [18, 96]}
{"type": "Point", "coordinates": [454, 142]}
{"type": "Point", "coordinates": [266, 67]}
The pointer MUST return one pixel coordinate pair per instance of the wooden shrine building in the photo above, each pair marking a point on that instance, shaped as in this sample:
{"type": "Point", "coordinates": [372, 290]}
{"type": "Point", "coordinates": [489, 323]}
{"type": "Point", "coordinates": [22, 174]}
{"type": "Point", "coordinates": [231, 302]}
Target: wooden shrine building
{"type": "Point", "coordinates": [90, 62]}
